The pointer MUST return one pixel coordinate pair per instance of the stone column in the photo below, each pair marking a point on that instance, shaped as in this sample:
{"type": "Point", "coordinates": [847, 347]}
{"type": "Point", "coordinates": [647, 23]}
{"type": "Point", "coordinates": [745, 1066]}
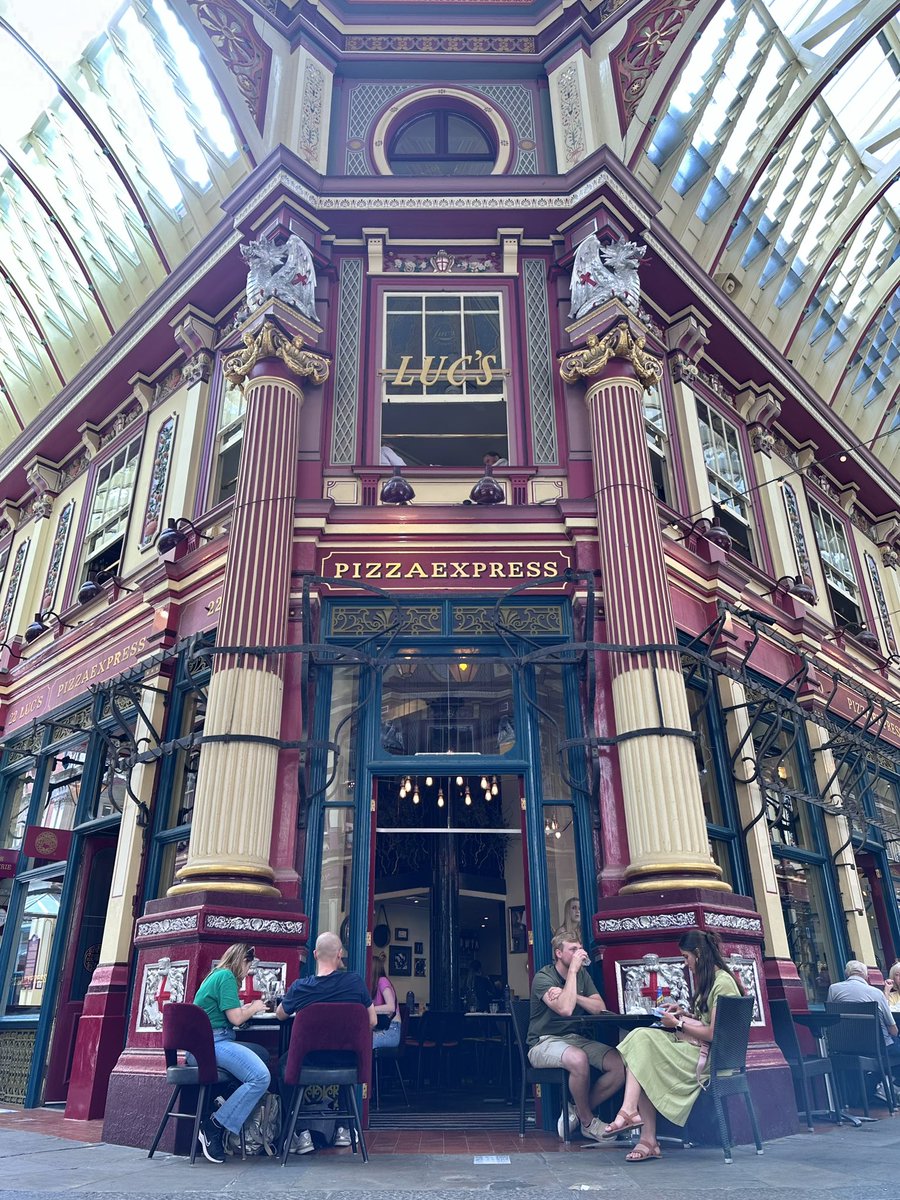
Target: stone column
{"type": "Point", "coordinates": [664, 809]}
{"type": "Point", "coordinates": [102, 1025]}
{"type": "Point", "coordinates": [235, 802]}
{"type": "Point", "coordinates": [837, 831]}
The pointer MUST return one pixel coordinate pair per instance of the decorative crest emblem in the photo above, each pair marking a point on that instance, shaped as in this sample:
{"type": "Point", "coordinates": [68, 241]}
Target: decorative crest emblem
{"type": "Point", "coordinates": [602, 273]}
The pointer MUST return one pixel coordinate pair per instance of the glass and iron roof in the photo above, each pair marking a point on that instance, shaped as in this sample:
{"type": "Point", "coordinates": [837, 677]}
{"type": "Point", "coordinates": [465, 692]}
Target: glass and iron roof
{"type": "Point", "coordinates": [774, 149]}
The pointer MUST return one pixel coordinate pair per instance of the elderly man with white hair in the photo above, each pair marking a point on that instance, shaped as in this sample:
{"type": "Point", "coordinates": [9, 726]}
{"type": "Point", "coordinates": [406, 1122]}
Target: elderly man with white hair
{"type": "Point", "coordinates": [856, 989]}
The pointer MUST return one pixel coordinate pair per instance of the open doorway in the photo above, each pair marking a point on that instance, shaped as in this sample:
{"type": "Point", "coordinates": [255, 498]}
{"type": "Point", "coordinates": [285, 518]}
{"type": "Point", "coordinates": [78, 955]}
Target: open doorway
{"type": "Point", "coordinates": [449, 909]}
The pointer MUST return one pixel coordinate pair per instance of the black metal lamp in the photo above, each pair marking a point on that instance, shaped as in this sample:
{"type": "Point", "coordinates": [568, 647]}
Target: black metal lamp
{"type": "Point", "coordinates": [794, 585]}
{"type": "Point", "coordinates": [487, 490]}
{"type": "Point", "coordinates": [11, 648]}
{"type": "Point", "coordinates": [39, 625]}
{"type": "Point", "coordinates": [396, 489]}
{"type": "Point", "coordinates": [175, 532]}
{"type": "Point", "coordinates": [92, 588]}
{"type": "Point", "coordinates": [711, 530]}
{"type": "Point", "coordinates": [864, 636]}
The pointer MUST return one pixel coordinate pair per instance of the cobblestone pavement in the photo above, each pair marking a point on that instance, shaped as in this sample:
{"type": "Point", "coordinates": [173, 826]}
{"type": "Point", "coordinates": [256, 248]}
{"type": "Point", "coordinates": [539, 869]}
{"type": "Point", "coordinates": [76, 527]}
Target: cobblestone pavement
{"type": "Point", "coordinates": [834, 1164]}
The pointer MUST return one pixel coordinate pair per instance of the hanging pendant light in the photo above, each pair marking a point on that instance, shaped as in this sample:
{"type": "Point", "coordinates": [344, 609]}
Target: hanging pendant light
{"type": "Point", "coordinates": [459, 781]}
{"type": "Point", "coordinates": [494, 788]}
{"type": "Point", "coordinates": [428, 781]}
{"type": "Point", "coordinates": [440, 797]}
{"type": "Point", "coordinates": [468, 795]}
{"type": "Point", "coordinates": [484, 783]}
{"type": "Point", "coordinates": [416, 796]}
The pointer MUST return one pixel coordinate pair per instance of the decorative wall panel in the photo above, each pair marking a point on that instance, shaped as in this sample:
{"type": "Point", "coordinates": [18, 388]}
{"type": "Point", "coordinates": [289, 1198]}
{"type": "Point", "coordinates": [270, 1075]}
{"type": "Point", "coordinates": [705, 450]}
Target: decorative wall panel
{"type": "Point", "coordinates": [12, 588]}
{"type": "Point", "coordinates": [884, 615]}
{"type": "Point", "coordinates": [245, 54]}
{"type": "Point", "coordinates": [57, 554]}
{"type": "Point", "coordinates": [164, 981]}
{"type": "Point", "coordinates": [16, 1053]}
{"type": "Point", "coordinates": [162, 457]}
{"type": "Point", "coordinates": [540, 362]}
{"type": "Point", "coordinates": [346, 362]}
{"type": "Point", "coordinates": [792, 507]}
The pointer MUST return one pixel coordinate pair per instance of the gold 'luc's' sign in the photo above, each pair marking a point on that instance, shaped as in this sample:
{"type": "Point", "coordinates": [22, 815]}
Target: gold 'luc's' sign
{"type": "Point", "coordinates": [478, 368]}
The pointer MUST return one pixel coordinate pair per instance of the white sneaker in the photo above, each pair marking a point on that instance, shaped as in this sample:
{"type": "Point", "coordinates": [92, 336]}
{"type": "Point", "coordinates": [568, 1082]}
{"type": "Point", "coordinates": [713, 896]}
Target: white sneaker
{"type": "Point", "coordinates": [573, 1121]}
{"type": "Point", "coordinates": [594, 1131]}
{"type": "Point", "coordinates": [342, 1137]}
{"type": "Point", "coordinates": [302, 1143]}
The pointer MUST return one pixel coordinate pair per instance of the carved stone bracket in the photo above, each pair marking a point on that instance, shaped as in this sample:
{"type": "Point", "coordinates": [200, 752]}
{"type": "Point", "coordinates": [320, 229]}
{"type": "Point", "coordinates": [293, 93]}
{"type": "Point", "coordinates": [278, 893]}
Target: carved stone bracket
{"type": "Point", "coordinates": [10, 516]}
{"type": "Point", "coordinates": [620, 342]}
{"type": "Point", "coordinates": [272, 342]}
{"type": "Point", "coordinates": [759, 409]}
{"type": "Point", "coordinates": [197, 369]}
{"type": "Point", "coordinates": [687, 337]}
{"type": "Point", "coordinates": [45, 480]}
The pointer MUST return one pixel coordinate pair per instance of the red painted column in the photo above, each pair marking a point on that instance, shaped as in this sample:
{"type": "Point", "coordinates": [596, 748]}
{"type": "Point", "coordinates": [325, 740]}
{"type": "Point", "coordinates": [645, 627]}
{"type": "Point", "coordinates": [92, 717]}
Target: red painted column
{"type": "Point", "coordinates": [661, 791]}
{"type": "Point", "coordinates": [236, 787]}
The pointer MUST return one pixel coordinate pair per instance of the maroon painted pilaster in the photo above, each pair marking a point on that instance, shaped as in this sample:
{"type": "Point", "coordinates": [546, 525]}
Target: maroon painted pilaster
{"type": "Point", "coordinates": [101, 1035]}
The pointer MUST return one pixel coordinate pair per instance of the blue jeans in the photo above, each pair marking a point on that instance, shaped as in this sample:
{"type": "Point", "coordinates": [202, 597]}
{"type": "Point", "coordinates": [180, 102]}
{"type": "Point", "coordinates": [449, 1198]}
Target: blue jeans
{"type": "Point", "coordinates": [386, 1037]}
{"type": "Point", "coordinates": [245, 1061]}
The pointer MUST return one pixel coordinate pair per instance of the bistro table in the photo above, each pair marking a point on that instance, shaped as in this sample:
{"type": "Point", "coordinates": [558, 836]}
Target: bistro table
{"type": "Point", "coordinates": [817, 1023]}
{"type": "Point", "coordinates": [596, 1022]}
{"type": "Point", "coordinates": [505, 1017]}
{"type": "Point", "coordinates": [268, 1023]}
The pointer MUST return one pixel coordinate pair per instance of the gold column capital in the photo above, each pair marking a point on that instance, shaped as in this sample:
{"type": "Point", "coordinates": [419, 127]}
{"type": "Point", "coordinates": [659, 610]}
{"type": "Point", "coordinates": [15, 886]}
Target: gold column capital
{"type": "Point", "coordinates": [620, 342]}
{"type": "Point", "coordinates": [272, 342]}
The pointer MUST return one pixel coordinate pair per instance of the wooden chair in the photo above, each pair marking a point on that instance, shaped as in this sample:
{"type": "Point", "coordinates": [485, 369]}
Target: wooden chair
{"type": "Point", "coordinates": [186, 1027]}
{"type": "Point", "coordinates": [556, 1076]}
{"type": "Point", "coordinates": [331, 1045]}
{"type": "Point", "coordinates": [803, 1067]}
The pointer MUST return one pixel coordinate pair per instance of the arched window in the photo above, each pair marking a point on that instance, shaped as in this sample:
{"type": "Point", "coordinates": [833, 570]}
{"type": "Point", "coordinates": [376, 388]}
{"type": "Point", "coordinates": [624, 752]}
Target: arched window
{"type": "Point", "coordinates": [441, 142]}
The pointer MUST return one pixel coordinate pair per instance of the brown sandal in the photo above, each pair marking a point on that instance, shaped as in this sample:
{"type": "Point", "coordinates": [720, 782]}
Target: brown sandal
{"type": "Point", "coordinates": [643, 1152]}
{"type": "Point", "coordinates": [623, 1123]}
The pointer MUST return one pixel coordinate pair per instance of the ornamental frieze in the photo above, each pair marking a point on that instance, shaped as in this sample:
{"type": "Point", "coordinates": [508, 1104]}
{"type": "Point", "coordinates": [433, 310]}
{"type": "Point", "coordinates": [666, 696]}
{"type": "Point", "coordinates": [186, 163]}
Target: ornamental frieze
{"type": "Point", "coordinates": [646, 923]}
{"type": "Point", "coordinates": [735, 922]}
{"type": "Point", "coordinates": [255, 925]}
{"type": "Point", "coordinates": [163, 982]}
{"type": "Point", "coordinates": [167, 926]}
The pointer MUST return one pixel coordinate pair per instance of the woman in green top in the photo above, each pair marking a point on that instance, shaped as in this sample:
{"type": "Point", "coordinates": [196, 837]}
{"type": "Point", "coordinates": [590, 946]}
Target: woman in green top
{"type": "Point", "coordinates": [219, 999]}
{"type": "Point", "coordinates": [664, 1073]}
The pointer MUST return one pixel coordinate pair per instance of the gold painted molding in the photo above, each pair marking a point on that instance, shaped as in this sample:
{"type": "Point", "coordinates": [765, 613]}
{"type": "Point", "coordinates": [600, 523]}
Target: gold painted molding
{"type": "Point", "coordinates": [619, 342]}
{"type": "Point", "coordinates": [272, 342]}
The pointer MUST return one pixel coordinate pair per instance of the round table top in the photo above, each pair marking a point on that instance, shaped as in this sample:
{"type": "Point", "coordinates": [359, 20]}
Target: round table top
{"type": "Point", "coordinates": [816, 1020]}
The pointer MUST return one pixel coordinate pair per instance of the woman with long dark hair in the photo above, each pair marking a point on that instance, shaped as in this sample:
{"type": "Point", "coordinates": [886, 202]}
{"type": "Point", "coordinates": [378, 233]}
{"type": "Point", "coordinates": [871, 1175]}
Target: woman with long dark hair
{"type": "Point", "coordinates": [219, 999]}
{"type": "Point", "coordinates": [665, 1073]}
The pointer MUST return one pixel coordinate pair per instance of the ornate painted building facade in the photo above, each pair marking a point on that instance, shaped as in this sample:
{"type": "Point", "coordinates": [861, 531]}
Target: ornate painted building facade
{"type": "Point", "coordinates": [299, 660]}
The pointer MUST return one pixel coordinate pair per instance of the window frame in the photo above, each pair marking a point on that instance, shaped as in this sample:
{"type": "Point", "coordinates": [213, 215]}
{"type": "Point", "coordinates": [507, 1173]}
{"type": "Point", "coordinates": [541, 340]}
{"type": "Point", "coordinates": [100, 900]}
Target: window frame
{"type": "Point", "coordinates": [726, 516]}
{"type": "Point", "coordinates": [517, 416]}
{"type": "Point", "coordinates": [817, 510]}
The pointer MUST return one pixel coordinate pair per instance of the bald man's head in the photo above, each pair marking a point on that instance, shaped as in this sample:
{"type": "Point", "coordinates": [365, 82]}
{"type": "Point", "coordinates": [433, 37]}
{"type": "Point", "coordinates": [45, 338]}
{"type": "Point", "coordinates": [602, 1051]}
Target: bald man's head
{"type": "Point", "coordinates": [328, 948]}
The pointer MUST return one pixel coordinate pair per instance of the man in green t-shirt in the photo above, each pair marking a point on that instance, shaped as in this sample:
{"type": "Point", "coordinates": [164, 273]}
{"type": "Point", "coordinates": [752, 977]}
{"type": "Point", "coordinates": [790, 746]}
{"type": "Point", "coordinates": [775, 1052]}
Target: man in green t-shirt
{"type": "Point", "coordinates": [558, 992]}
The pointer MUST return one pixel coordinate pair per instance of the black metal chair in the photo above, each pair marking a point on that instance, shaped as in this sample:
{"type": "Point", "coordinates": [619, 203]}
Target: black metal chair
{"type": "Point", "coordinates": [186, 1027]}
{"type": "Point", "coordinates": [804, 1067]}
{"type": "Point", "coordinates": [520, 1011]}
{"type": "Point", "coordinates": [856, 1045]}
{"type": "Point", "coordinates": [392, 1054]}
{"type": "Point", "coordinates": [728, 1065]}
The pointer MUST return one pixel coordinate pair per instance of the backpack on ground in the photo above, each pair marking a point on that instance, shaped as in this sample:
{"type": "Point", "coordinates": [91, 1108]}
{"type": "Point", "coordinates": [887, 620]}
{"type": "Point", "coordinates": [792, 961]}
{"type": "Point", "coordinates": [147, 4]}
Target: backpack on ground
{"type": "Point", "coordinates": [262, 1129]}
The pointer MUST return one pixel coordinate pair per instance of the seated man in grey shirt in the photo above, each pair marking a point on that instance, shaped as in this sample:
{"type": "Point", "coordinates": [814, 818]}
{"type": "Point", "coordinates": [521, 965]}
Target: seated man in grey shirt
{"type": "Point", "coordinates": [856, 989]}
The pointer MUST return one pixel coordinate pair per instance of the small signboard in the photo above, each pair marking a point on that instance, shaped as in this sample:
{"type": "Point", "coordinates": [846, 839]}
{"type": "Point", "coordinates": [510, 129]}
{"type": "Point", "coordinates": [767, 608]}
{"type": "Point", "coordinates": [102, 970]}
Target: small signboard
{"type": "Point", "coordinates": [43, 842]}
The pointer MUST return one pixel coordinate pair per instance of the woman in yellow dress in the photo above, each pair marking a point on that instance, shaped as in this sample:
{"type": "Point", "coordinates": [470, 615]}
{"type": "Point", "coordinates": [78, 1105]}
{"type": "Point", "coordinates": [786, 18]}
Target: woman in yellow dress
{"type": "Point", "coordinates": [665, 1071]}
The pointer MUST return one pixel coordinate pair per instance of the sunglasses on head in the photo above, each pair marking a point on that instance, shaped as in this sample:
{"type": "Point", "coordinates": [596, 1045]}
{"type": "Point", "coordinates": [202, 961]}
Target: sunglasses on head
{"type": "Point", "coordinates": [250, 955]}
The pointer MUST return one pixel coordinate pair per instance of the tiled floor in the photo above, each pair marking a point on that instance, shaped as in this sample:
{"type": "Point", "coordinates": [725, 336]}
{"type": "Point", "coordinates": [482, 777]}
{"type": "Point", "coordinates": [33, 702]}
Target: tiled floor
{"type": "Point", "coordinates": [408, 1141]}
{"type": "Point", "coordinates": [53, 1122]}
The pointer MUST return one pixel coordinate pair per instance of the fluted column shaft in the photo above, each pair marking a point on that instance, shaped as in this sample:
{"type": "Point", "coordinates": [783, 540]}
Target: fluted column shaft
{"type": "Point", "coordinates": [667, 836]}
{"type": "Point", "coordinates": [235, 801]}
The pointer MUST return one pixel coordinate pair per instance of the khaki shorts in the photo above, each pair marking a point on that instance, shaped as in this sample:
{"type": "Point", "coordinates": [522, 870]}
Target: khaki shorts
{"type": "Point", "coordinates": [548, 1051]}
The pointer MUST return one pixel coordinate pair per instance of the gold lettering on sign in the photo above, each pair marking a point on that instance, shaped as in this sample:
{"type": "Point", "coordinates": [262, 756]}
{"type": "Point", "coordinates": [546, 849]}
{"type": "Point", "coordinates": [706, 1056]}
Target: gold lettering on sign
{"type": "Point", "coordinates": [479, 367]}
{"type": "Point", "coordinates": [477, 569]}
{"type": "Point", "coordinates": [75, 682]}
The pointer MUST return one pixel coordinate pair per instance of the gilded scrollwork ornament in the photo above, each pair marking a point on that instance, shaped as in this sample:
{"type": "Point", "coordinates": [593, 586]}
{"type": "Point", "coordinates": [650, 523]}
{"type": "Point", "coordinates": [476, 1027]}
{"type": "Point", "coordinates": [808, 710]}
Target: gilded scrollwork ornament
{"type": "Point", "coordinates": [272, 342]}
{"type": "Point", "coordinates": [620, 343]}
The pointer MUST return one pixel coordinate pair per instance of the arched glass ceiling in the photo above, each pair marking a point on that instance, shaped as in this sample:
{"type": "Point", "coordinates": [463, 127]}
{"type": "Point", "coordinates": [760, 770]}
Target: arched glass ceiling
{"type": "Point", "coordinates": [778, 157]}
{"type": "Point", "coordinates": [115, 148]}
